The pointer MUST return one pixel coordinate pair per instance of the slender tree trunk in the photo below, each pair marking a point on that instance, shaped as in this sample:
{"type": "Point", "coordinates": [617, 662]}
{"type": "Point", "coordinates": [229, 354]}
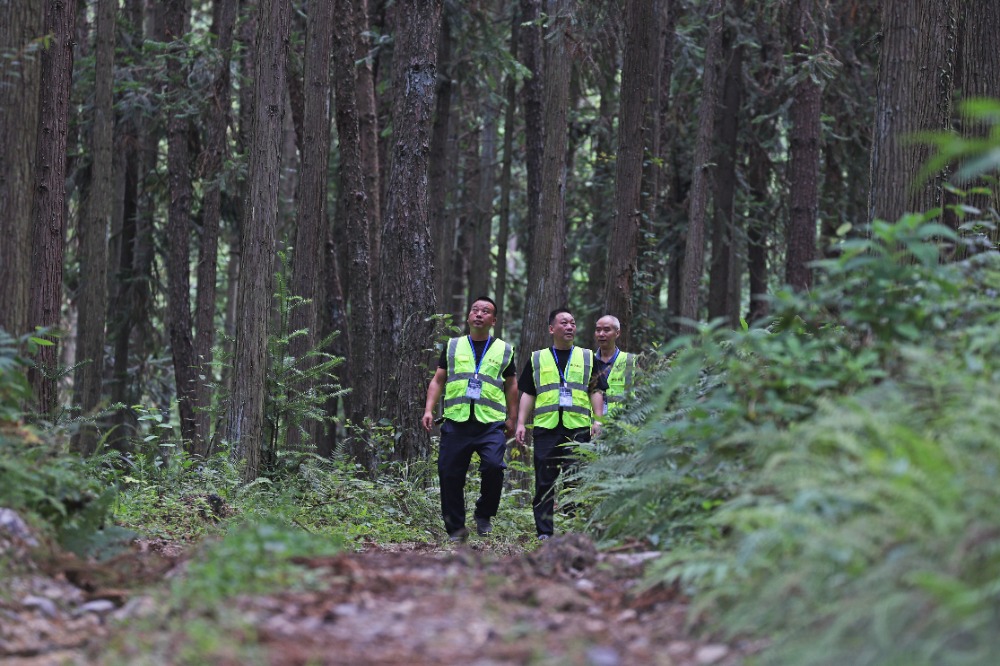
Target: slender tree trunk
{"type": "Point", "coordinates": [503, 231]}
{"type": "Point", "coordinates": [724, 270]}
{"type": "Point", "coordinates": [805, 137]}
{"type": "Point", "coordinates": [442, 224]}
{"type": "Point", "coordinates": [468, 228]}
{"type": "Point", "coordinates": [93, 232]}
{"type": "Point", "coordinates": [913, 94]}
{"type": "Point", "coordinates": [547, 267]}
{"type": "Point", "coordinates": [20, 33]}
{"type": "Point", "coordinates": [368, 130]}
{"type": "Point", "coordinates": [758, 176]}
{"type": "Point", "coordinates": [49, 206]}
{"type": "Point", "coordinates": [310, 233]}
{"type": "Point", "coordinates": [694, 250]}
{"type": "Point", "coordinates": [530, 50]}
{"type": "Point", "coordinates": [245, 421]}
{"type": "Point", "coordinates": [637, 78]}
{"type": "Point", "coordinates": [480, 278]}
{"type": "Point", "coordinates": [407, 285]}
{"type": "Point", "coordinates": [354, 218]}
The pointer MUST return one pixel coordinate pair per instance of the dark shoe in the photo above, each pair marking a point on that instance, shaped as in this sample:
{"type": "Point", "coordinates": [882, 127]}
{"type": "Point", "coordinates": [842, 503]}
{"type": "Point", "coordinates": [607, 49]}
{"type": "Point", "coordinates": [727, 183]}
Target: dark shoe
{"type": "Point", "coordinates": [459, 536]}
{"type": "Point", "coordinates": [544, 537]}
{"type": "Point", "coordinates": [483, 526]}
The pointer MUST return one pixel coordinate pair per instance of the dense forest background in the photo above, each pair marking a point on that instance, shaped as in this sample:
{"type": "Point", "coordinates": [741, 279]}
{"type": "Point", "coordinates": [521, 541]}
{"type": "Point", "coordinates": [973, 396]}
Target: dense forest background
{"type": "Point", "coordinates": [244, 220]}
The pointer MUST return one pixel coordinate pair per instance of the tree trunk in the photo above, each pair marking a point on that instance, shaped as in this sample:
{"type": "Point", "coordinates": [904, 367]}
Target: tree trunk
{"type": "Point", "coordinates": [480, 278]}
{"type": "Point", "coordinates": [178, 250]}
{"type": "Point", "coordinates": [804, 143]}
{"type": "Point", "coordinates": [93, 231]}
{"type": "Point", "coordinates": [355, 220]}
{"type": "Point", "coordinates": [758, 176]}
{"type": "Point", "coordinates": [913, 94]}
{"type": "Point", "coordinates": [637, 77]}
{"type": "Point", "coordinates": [368, 130]}
{"type": "Point", "coordinates": [442, 224]}
{"type": "Point", "coordinates": [217, 114]}
{"type": "Point", "coordinates": [530, 50]}
{"type": "Point", "coordinates": [19, 96]}
{"type": "Point", "coordinates": [245, 419]}
{"type": "Point", "coordinates": [547, 267]}
{"type": "Point", "coordinates": [310, 232]}
{"type": "Point", "coordinates": [724, 270]}
{"type": "Point", "coordinates": [694, 248]}
{"type": "Point", "coordinates": [407, 288]}
{"type": "Point", "coordinates": [503, 231]}
{"type": "Point", "coordinates": [49, 204]}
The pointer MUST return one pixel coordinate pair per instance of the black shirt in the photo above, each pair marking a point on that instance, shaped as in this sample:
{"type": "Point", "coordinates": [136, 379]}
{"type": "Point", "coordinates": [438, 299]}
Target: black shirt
{"type": "Point", "coordinates": [526, 384]}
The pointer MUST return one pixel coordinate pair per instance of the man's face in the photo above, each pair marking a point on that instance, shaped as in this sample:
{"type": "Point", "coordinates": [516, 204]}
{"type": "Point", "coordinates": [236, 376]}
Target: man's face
{"type": "Point", "coordinates": [482, 315]}
{"type": "Point", "coordinates": [606, 333]}
{"type": "Point", "coordinates": [563, 328]}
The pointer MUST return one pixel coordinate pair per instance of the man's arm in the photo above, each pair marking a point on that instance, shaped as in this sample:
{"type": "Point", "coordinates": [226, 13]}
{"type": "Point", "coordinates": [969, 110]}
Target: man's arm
{"type": "Point", "coordinates": [523, 412]}
{"type": "Point", "coordinates": [510, 393]}
{"type": "Point", "coordinates": [434, 390]}
{"type": "Point", "coordinates": [597, 404]}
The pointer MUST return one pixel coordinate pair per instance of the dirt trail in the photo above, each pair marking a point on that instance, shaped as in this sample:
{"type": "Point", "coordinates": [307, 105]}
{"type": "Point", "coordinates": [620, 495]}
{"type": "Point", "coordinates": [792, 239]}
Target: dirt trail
{"type": "Point", "coordinates": [413, 604]}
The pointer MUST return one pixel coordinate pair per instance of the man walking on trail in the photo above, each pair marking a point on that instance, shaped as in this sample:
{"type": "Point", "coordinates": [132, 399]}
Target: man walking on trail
{"type": "Point", "coordinates": [476, 374]}
{"type": "Point", "coordinates": [615, 370]}
{"type": "Point", "coordinates": [554, 385]}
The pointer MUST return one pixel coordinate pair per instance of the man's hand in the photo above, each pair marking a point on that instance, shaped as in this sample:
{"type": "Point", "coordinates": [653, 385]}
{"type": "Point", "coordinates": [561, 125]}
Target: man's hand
{"type": "Point", "coordinates": [509, 428]}
{"type": "Point", "coordinates": [428, 421]}
{"type": "Point", "coordinates": [595, 429]}
{"type": "Point", "coordinates": [520, 433]}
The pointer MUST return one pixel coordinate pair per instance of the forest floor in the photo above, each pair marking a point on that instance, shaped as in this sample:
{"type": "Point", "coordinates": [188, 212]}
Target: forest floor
{"type": "Point", "coordinates": [482, 603]}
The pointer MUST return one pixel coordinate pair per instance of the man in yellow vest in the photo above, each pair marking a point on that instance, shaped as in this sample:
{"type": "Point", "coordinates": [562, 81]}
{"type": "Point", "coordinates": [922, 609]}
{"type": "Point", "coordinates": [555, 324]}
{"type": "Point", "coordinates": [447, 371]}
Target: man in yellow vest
{"type": "Point", "coordinates": [554, 384]}
{"type": "Point", "coordinates": [476, 374]}
{"type": "Point", "coordinates": [615, 370]}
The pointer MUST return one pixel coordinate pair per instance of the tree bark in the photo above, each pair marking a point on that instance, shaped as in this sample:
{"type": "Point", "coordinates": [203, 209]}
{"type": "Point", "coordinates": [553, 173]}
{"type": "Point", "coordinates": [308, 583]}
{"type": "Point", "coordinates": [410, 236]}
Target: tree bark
{"type": "Point", "coordinates": [19, 96]}
{"type": "Point", "coordinates": [913, 94]}
{"type": "Point", "coordinates": [442, 224]}
{"type": "Point", "coordinates": [310, 232]}
{"type": "Point", "coordinates": [480, 278]}
{"type": "Point", "coordinates": [368, 130]}
{"type": "Point", "coordinates": [49, 204]}
{"type": "Point", "coordinates": [93, 232]}
{"type": "Point", "coordinates": [406, 287]}
{"type": "Point", "coordinates": [245, 418]}
{"type": "Point", "coordinates": [637, 77]}
{"type": "Point", "coordinates": [355, 219]}
{"type": "Point", "coordinates": [530, 50]}
{"type": "Point", "coordinates": [694, 248]}
{"type": "Point", "coordinates": [547, 267]}
{"type": "Point", "coordinates": [503, 230]}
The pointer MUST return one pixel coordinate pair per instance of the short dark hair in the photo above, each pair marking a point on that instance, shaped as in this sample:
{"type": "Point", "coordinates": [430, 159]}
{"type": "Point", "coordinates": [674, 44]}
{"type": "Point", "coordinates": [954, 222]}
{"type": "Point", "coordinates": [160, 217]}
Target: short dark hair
{"type": "Point", "coordinates": [488, 300]}
{"type": "Point", "coordinates": [555, 313]}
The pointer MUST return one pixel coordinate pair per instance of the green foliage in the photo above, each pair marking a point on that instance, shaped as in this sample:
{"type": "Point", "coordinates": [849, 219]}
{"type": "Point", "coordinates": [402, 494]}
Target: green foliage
{"type": "Point", "coordinates": [828, 482]}
{"type": "Point", "coordinates": [14, 387]}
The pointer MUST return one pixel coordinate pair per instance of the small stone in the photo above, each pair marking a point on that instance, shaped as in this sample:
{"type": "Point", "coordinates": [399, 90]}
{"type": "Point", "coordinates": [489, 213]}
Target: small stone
{"type": "Point", "coordinates": [585, 585]}
{"type": "Point", "coordinates": [710, 654]}
{"type": "Point", "coordinates": [98, 606]}
{"type": "Point", "coordinates": [601, 655]}
{"type": "Point", "coordinates": [45, 606]}
{"type": "Point", "coordinates": [12, 524]}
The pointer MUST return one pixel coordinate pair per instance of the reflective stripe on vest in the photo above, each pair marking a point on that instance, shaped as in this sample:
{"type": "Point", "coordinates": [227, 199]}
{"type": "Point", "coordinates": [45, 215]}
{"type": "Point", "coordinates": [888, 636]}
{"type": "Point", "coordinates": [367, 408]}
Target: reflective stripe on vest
{"type": "Point", "coordinates": [547, 382]}
{"type": "Point", "coordinates": [491, 405]}
{"type": "Point", "coordinates": [620, 380]}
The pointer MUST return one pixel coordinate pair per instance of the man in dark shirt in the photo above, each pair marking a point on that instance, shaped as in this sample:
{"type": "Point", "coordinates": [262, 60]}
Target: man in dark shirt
{"type": "Point", "coordinates": [476, 375]}
{"type": "Point", "coordinates": [554, 385]}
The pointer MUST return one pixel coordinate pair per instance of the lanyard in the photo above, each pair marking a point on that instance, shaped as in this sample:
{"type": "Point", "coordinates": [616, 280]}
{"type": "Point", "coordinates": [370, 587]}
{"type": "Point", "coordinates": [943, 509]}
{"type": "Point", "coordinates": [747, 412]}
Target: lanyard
{"type": "Point", "coordinates": [479, 359]}
{"type": "Point", "coordinates": [562, 375]}
{"type": "Point", "coordinates": [608, 366]}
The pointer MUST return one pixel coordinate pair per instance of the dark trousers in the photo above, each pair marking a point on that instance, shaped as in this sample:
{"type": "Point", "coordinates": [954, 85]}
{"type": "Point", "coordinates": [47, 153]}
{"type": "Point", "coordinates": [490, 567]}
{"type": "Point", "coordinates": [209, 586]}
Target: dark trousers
{"type": "Point", "coordinates": [458, 442]}
{"type": "Point", "coordinates": [553, 455]}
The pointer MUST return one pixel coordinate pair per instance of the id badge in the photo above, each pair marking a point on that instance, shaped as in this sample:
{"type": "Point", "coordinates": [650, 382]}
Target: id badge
{"type": "Point", "coordinates": [565, 396]}
{"type": "Point", "coordinates": [474, 390]}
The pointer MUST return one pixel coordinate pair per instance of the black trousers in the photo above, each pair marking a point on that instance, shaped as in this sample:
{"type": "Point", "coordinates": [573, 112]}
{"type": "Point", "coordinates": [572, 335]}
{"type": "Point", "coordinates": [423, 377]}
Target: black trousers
{"type": "Point", "coordinates": [458, 442]}
{"type": "Point", "coordinates": [553, 455]}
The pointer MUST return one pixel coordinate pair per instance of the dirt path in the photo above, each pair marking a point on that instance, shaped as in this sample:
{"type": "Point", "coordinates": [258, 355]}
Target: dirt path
{"type": "Point", "coordinates": [415, 604]}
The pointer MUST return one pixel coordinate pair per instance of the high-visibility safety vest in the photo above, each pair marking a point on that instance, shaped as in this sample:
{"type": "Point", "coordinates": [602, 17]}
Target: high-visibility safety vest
{"type": "Point", "coordinates": [491, 406]}
{"type": "Point", "coordinates": [548, 381]}
{"type": "Point", "coordinates": [620, 381]}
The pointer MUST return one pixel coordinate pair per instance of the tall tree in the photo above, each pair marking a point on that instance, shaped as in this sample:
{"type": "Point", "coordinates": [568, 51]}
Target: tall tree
{"type": "Point", "coordinates": [310, 232]}
{"type": "Point", "coordinates": [406, 286]}
{"type": "Point", "coordinates": [641, 30]}
{"type": "Point", "coordinates": [913, 94]}
{"type": "Point", "coordinates": [178, 236]}
{"type": "Point", "coordinates": [807, 30]}
{"type": "Point", "coordinates": [547, 267]}
{"type": "Point", "coordinates": [724, 270]}
{"type": "Point", "coordinates": [530, 53]}
{"type": "Point", "coordinates": [217, 113]}
{"type": "Point", "coordinates": [353, 211]}
{"type": "Point", "coordinates": [245, 414]}
{"type": "Point", "coordinates": [20, 45]}
{"type": "Point", "coordinates": [368, 128]}
{"type": "Point", "coordinates": [442, 224]}
{"type": "Point", "coordinates": [694, 248]}
{"type": "Point", "coordinates": [49, 205]}
{"type": "Point", "coordinates": [93, 232]}
{"type": "Point", "coordinates": [503, 232]}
